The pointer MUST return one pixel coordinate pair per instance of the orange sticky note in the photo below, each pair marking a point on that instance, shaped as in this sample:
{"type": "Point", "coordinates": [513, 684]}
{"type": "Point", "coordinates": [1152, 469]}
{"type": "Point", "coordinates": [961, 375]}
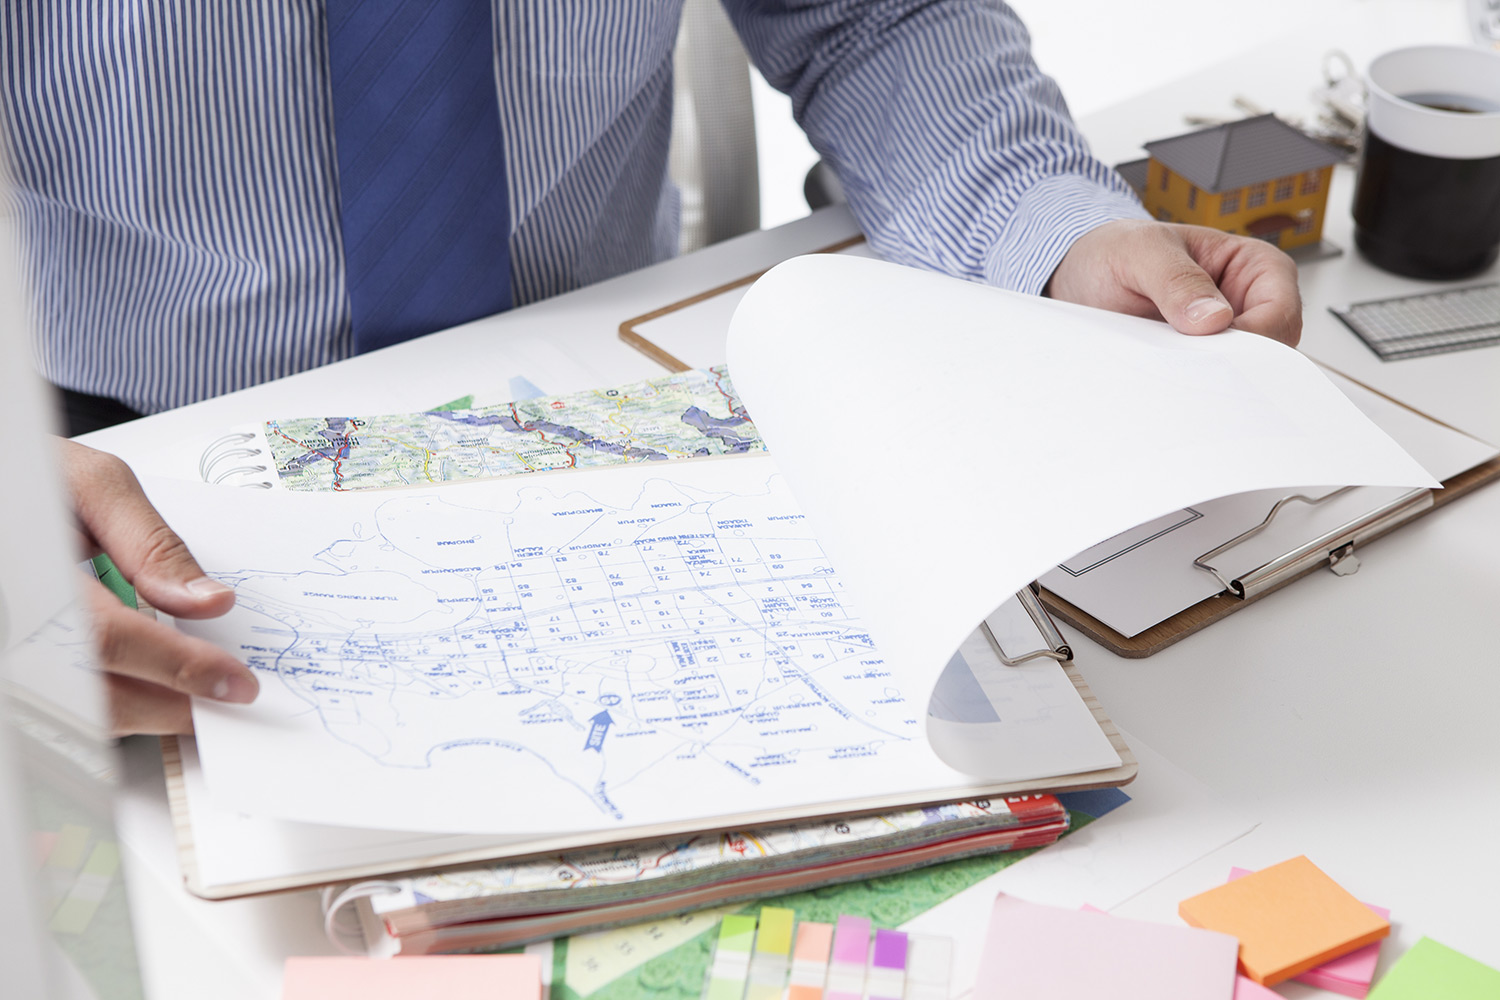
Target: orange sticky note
{"type": "Point", "coordinates": [1289, 918]}
{"type": "Point", "coordinates": [419, 977]}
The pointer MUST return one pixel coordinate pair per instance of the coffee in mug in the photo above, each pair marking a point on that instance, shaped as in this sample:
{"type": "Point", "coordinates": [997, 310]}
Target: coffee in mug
{"type": "Point", "coordinates": [1427, 204]}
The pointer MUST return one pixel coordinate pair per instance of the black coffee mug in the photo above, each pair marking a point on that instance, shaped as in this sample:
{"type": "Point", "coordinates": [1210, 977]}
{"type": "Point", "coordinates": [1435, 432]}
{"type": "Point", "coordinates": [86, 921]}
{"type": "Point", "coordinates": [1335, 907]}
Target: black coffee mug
{"type": "Point", "coordinates": [1427, 204]}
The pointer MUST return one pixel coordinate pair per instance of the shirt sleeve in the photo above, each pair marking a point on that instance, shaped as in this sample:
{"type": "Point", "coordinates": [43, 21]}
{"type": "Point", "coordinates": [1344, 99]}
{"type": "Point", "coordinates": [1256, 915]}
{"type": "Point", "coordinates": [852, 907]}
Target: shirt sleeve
{"type": "Point", "coordinates": [956, 153]}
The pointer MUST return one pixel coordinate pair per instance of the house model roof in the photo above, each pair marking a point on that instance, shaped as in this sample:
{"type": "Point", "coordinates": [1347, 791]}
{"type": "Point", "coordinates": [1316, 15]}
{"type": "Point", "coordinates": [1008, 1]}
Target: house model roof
{"type": "Point", "coordinates": [1250, 151]}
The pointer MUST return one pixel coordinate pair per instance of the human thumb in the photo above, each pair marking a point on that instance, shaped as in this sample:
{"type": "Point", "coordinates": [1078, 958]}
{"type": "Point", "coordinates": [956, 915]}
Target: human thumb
{"type": "Point", "coordinates": [1184, 293]}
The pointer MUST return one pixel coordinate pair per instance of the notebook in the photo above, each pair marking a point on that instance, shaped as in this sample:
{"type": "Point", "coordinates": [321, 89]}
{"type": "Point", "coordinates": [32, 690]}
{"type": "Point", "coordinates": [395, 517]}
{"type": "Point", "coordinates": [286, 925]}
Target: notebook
{"type": "Point", "coordinates": [768, 631]}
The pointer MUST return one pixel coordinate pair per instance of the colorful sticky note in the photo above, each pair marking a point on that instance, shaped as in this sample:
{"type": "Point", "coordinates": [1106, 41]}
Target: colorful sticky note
{"type": "Point", "coordinates": [1046, 951]}
{"type": "Point", "coordinates": [422, 977]}
{"type": "Point", "coordinates": [1430, 969]}
{"type": "Point", "coordinates": [810, 961]}
{"type": "Point", "coordinates": [1244, 989]}
{"type": "Point", "coordinates": [76, 911]}
{"type": "Point", "coordinates": [1349, 974]}
{"type": "Point", "coordinates": [731, 962]}
{"type": "Point", "coordinates": [774, 937]}
{"type": "Point", "coordinates": [773, 949]}
{"type": "Point", "coordinates": [851, 952]}
{"type": "Point", "coordinates": [1249, 989]}
{"type": "Point", "coordinates": [1289, 918]}
{"type": "Point", "coordinates": [42, 842]}
{"type": "Point", "coordinates": [887, 978]}
{"type": "Point", "coordinates": [69, 848]}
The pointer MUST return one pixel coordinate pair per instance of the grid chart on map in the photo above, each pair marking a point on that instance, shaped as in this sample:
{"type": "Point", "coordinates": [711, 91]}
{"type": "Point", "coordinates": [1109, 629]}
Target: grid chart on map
{"type": "Point", "coordinates": [1430, 323]}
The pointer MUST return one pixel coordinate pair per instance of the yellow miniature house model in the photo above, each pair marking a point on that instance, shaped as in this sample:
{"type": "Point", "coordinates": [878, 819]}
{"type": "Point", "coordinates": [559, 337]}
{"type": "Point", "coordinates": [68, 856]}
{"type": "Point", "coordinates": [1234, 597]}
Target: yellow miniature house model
{"type": "Point", "coordinates": [1258, 177]}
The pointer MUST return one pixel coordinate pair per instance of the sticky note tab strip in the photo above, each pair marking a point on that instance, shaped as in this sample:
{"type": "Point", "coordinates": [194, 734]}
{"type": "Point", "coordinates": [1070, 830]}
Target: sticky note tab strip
{"type": "Point", "coordinates": [78, 907]}
{"type": "Point", "coordinates": [773, 948]}
{"type": "Point", "coordinates": [851, 950]}
{"type": "Point", "coordinates": [929, 966]}
{"type": "Point", "coordinates": [810, 961]}
{"type": "Point", "coordinates": [887, 978]}
{"type": "Point", "coordinates": [731, 964]}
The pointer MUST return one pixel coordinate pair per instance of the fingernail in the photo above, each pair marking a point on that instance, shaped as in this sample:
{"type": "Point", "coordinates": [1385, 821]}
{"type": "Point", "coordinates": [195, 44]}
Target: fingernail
{"type": "Point", "coordinates": [207, 587]}
{"type": "Point", "coordinates": [240, 689]}
{"type": "Point", "coordinates": [1201, 309]}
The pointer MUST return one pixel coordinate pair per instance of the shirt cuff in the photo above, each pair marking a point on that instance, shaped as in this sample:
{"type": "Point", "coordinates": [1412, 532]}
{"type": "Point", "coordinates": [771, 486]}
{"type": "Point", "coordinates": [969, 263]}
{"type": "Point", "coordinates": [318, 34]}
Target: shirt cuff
{"type": "Point", "coordinates": [1050, 216]}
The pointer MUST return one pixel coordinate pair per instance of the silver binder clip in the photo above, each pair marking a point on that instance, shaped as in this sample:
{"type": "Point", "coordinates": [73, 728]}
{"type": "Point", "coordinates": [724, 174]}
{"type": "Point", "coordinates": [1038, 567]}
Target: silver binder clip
{"type": "Point", "coordinates": [1335, 547]}
{"type": "Point", "coordinates": [1056, 649]}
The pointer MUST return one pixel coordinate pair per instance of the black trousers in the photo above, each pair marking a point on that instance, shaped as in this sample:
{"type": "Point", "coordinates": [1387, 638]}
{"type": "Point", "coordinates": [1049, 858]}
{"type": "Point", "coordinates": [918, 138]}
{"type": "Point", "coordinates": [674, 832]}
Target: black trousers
{"type": "Point", "coordinates": [83, 413]}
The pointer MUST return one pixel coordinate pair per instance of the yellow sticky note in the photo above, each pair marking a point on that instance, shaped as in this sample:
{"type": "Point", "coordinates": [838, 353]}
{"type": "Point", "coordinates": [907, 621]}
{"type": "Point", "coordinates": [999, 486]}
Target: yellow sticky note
{"type": "Point", "coordinates": [1289, 918]}
{"type": "Point", "coordinates": [420, 977]}
{"type": "Point", "coordinates": [775, 934]}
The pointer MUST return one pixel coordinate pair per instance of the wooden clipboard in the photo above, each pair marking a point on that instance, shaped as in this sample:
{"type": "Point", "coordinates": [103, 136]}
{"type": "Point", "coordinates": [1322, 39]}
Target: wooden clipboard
{"type": "Point", "coordinates": [630, 329]}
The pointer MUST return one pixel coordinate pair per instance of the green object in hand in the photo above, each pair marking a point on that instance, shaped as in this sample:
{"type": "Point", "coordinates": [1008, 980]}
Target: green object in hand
{"type": "Point", "coordinates": [113, 580]}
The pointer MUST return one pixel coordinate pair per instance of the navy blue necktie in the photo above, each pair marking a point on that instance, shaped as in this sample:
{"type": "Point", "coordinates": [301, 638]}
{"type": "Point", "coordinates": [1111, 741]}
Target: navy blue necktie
{"type": "Point", "coordinates": [425, 220]}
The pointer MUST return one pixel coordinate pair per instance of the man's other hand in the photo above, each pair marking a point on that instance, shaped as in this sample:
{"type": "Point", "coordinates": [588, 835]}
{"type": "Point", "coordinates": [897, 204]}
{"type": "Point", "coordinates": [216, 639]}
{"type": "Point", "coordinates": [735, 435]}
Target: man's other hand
{"type": "Point", "coordinates": [151, 668]}
{"type": "Point", "coordinates": [1199, 280]}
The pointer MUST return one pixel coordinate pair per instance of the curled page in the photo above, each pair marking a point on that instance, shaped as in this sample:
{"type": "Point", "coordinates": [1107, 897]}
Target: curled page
{"type": "Point", "coordinates": [951, 442]}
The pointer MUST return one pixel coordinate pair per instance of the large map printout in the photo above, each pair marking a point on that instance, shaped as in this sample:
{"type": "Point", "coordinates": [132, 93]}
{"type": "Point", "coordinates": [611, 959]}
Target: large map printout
{"type": "Point", "coordinates": [598, 648]}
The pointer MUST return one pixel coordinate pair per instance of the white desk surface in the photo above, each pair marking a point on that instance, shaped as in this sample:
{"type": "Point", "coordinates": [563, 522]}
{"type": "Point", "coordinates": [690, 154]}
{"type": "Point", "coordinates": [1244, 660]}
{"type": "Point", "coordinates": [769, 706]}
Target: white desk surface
{"type": "Point", "coordinates": [1356, 717]}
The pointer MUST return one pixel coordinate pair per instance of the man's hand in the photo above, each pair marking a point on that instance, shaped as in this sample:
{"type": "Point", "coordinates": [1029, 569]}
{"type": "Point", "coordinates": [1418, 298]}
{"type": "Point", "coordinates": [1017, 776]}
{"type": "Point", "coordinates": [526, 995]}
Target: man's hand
{"type": "Point", "coordinates": [151, 668]}
{"type": "Point", "coordinates": [1199, 280]}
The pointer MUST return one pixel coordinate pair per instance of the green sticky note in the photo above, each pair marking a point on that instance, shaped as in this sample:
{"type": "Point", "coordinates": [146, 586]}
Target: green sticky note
{"type": "Point", "coordinates": [737, 932]}
{"type": "Point", "coordinates": [83, 900]}
{"type": "Point", "coordinates": [775, 936]}
{"type": "Point", "coordinates": [1432, 970]}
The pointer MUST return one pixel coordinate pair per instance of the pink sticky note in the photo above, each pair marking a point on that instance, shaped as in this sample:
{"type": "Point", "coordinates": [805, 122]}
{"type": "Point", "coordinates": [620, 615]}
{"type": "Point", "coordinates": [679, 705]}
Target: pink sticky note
{"type": "Point", "coordinates": [1062, 954]}
{"type": "Point", "coordinates": [1349, 974]}
{"type": "Point", "coordinates": [1244, 989]}
{"type": "Point", "coordinates": [420, 977]}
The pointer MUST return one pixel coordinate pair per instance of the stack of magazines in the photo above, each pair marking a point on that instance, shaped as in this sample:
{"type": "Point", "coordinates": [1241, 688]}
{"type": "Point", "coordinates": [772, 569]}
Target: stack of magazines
{"type": "Point", "coordinates": [501, 906]}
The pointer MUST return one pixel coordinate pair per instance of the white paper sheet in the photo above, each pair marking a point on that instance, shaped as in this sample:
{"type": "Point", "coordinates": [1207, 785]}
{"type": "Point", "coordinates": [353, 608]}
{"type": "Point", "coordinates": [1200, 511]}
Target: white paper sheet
{"type": "Point", "coordinates": [950, 441]}
{"type": "Point", "coordinates": [567, 652]}
{"type": "Point", "coordinates": [236, 848]}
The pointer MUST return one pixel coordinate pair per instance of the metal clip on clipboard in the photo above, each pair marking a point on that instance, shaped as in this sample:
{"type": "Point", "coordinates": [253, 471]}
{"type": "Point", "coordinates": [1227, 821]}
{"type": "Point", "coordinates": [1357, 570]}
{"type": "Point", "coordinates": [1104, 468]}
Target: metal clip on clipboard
{"type": "Point", "coordinates": [1056, 647]}
{"type": "Point", "coordinates": [1336, 547]}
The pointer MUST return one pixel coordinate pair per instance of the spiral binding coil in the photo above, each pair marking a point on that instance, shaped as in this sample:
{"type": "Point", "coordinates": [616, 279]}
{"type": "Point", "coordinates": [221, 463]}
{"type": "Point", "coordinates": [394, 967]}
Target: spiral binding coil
{"type": "Point", "coordinates": [341, 921]}
{"type": "Point", "coordinates": [237, 445]}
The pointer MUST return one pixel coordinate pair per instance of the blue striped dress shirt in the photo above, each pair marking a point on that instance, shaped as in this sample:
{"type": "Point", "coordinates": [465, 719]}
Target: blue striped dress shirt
{"type": "Point", "coordinates": [176, 179]}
